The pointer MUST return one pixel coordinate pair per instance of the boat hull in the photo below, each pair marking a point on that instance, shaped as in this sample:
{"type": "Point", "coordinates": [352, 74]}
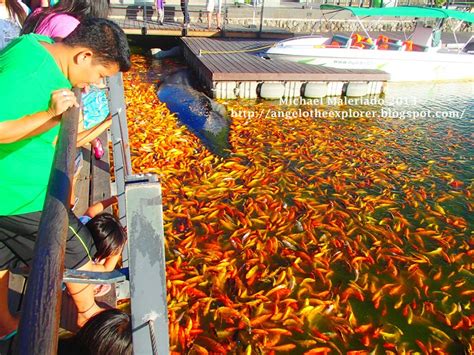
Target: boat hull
{"type": "Point", "coordinates": [401, 65]}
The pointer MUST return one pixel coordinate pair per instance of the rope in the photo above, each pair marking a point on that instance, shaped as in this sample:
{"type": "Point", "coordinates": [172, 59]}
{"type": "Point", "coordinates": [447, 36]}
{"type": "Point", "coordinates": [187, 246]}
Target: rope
{"type": "Point", "coordinates": [201, 52]}
{"type": "Point", "coordinates": [150, 319]}
{"type": "Point", "coordinates": [153, 338]}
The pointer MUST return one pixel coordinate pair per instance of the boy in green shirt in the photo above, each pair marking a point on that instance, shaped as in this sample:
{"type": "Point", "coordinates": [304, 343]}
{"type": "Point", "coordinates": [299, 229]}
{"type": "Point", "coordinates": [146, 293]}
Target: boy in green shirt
{"type": "Point", "coordinates": [36, 76]}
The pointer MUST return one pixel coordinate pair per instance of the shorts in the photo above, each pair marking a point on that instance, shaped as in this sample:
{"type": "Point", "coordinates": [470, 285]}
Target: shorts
{"type": "Point", "coordinates": [18, 235]}
{"type": "Point", "coordinates": [211, 4]}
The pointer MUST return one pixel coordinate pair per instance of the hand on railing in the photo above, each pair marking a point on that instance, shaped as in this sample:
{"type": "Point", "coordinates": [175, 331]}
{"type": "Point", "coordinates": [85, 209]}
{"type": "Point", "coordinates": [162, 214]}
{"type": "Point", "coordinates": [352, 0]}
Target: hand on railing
{"type": "Point", "coordinates": [61, 101]}
{"type": "Point", "coordinates": [39, 122]}
{"type": "Point", "coordinates": [38, 330]}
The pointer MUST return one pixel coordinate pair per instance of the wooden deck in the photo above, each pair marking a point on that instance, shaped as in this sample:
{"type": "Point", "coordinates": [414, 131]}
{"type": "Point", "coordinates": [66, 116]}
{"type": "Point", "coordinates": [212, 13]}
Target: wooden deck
{"type": "Point", "coordinates": [232, 59]}
{"type": "Point", "coordinates": [91, 186]}
{"type": "Point", "coordinates": [236, 60]}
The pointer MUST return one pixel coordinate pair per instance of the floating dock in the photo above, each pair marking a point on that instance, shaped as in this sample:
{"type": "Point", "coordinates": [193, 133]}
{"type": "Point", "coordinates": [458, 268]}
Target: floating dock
{"type": "Point", "coordinates": [231, 68]}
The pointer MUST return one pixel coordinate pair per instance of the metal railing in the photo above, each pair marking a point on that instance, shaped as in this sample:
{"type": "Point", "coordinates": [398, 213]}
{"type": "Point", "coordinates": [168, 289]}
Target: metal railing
{"type": "Point", "coordinates": [120, 145]}
{"type": "Point", "coordinates": [39, 323]}
{"type": "Point", "coordinates": [264, 16]}
{"type": "Point", "coordinates": [140, 207]}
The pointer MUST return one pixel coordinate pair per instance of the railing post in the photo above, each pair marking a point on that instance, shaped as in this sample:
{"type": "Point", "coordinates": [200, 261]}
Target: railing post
{"type": "Point", "coordinates": [39, 323]}
{"type": "Point", "coordinates": [145, 20]}
{"type": "Point", "coordinates": [224, 18]}
{"type": "Point", "coordinates": [120, 145]}
{"type": "Point", "coordinates": [261, 19]}
{"type": "Point", "coordinates": [147, 265]}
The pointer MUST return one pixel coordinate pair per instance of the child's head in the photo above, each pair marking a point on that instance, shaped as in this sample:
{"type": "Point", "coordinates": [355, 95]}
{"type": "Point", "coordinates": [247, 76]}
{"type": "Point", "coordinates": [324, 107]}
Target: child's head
{"type": "Point", "coordinates": [108, 234]}
{"type": "Point", "coordinates": [108, 332]}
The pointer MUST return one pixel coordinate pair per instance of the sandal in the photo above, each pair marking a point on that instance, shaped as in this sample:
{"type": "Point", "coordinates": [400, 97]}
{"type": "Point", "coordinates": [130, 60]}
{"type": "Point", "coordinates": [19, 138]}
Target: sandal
{"type": "Point", "coordinates": [98, 149]}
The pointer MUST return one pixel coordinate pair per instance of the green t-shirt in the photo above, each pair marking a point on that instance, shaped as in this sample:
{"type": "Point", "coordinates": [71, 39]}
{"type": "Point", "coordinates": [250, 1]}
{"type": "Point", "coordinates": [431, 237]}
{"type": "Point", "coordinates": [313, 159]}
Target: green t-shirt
{"type": "Point", "coordinates": [28, 75]}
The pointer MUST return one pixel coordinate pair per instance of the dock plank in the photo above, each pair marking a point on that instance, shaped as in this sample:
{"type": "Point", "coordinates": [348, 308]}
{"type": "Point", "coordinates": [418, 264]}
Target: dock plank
{"type": "Point", "coordinates": [82, 183]}
{"type": "Point", "coordinates": [219, 59]}
{"type": "Point", "coordinates": [241, 62]}
{"type": "Point", "coordinates": [237, 62]}
{"type": "Point", "coordinates": [92, 185]}
{"type": "Point", "coordinates": [100, 174]}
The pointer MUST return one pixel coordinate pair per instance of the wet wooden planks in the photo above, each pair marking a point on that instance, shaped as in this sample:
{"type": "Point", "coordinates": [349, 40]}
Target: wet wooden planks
{"type": "Point", "coordinates": [236, 60]}
{"type": "Point", "coordinates": [91, 186]}
{"type": "Point", "coordinates": [100, 174]}
{"type": "Point", "coordinates": [93, 181]}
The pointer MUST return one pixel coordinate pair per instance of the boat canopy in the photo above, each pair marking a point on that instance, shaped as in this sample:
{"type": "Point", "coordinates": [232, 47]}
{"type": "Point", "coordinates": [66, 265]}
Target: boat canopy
{"type": "Point", "coordinates": [403, 11]}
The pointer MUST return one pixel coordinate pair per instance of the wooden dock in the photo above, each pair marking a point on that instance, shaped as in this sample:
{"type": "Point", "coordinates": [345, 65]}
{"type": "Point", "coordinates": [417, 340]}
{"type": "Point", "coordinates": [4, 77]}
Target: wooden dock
{"type": "Point", "coordinates": [232, 68]}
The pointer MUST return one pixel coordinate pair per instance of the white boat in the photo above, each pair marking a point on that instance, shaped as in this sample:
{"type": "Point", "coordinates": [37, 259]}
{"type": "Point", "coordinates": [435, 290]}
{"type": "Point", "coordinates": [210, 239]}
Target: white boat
{"type": "Point", "coordinates": [419, 57]}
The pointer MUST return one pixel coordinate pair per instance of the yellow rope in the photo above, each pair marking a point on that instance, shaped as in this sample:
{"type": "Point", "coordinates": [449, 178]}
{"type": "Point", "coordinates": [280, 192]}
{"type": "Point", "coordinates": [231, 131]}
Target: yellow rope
{"type": "Point", "coordinates": [201, 52]}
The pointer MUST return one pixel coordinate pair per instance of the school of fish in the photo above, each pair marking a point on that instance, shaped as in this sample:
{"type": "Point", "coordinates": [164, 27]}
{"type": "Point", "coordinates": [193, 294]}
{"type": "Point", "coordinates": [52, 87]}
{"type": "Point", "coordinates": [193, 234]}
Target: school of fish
{"type": "Point", "coordinates": [313, 237]}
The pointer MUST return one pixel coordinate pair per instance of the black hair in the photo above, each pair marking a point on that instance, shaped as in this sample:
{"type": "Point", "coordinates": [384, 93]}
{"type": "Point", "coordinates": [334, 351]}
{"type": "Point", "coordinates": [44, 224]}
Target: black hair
{"type": "Point", "coordinates": [105, 38]}
{"type": "Point", "coordinates": [80, 9]}
{"type": "Point", "coordinates": [94, 8]}
{"type": "Point", "coordinates": [108, 234]}
{"type": "Point", "coordinates": [108, 332]}
{"type": "Point", "coordinates": [15, 10]}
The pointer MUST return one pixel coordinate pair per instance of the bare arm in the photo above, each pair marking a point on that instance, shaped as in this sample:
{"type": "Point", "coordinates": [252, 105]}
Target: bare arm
{"type": "Point", "coordinates": [27, 126]}
{"type": "Point", "coordinates": [85, 137]}
{"type": "Point", "coordinates": [98, 207]}
{"type": "Point", "coordinates": [109, 264]}
{"type": "Point", "coordinates": [37, 123]}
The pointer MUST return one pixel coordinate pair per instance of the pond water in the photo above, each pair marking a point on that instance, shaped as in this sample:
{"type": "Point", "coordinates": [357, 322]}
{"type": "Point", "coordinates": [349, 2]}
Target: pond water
{"type": "Point", "coordinates": [339, 227]}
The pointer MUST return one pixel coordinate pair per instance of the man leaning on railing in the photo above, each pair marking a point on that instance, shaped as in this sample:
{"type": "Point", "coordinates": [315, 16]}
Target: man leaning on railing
{"type": "Point", "coordinates": [36, 77]}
